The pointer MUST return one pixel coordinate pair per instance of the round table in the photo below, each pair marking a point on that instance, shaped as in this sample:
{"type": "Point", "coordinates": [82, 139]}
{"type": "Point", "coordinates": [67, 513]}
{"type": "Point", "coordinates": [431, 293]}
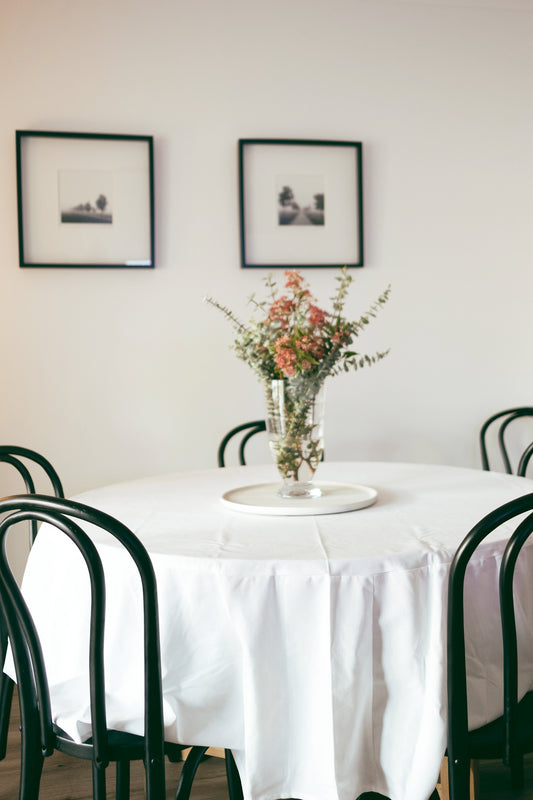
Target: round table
{"type": "Point", "coordinates": [312, 646]}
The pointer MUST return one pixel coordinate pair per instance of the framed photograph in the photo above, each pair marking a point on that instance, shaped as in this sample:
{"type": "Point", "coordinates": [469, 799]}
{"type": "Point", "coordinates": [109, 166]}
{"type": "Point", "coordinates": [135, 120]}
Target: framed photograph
{"type": "Point", "coordinates": [85, 199]}
{"type": "Point", "coordinates": [301, 203]}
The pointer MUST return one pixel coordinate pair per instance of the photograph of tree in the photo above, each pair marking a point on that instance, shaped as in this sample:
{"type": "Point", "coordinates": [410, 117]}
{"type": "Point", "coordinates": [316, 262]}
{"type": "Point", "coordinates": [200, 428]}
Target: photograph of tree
{"type": "Point", "coordinates": [85, 196]}
{"type": "Point", "coordinates": [300, 200]}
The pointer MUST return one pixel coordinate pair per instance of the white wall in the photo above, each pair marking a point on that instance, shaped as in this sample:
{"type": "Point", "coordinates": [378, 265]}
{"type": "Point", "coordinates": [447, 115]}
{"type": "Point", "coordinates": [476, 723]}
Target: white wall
{"type": "Point", "coordinates": [117, 374]}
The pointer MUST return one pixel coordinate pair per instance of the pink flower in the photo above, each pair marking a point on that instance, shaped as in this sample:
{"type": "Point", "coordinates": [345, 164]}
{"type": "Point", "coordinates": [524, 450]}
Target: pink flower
{"type": "Point", "coordinates": [314, 347]}
{"type": "Point", "coordinates": [285, 360]}
{"type": "Point", "coordinates": [293, 280]}
{"type": "Point", "coordinates": [280, 311]}
{"type": "Point", "coordinates": [316, 316]}
{"type": "Point", "coordinates": [285, 356]}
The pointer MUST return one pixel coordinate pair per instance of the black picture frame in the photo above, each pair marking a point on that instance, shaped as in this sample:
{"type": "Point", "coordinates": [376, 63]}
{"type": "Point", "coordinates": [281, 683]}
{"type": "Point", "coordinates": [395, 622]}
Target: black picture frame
{"type": "Point", "coordinates": [85, 199]}
{"type": "Point", "coordinates": [275, 177]}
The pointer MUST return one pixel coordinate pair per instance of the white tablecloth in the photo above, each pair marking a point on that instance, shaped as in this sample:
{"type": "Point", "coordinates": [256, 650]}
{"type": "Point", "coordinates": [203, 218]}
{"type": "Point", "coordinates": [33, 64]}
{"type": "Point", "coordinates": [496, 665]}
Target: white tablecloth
{"type": "Point", "coordinates": [313, 647]}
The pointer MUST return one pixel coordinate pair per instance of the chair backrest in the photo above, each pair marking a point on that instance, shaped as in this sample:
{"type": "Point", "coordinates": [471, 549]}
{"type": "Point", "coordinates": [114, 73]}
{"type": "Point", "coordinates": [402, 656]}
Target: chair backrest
{"type": "Point", "coordinates": [32, 468]}
{"type": "Point", "coordinates": [27, 653]}
{"type": "Point", "coordinates": [524, 460]}
{"type": "Point", "coordinates": [248, 429]}
{"type": "Point", "coordinates": [457, 684]}
{"type": "Point", "coordinates": [505, 419]}
{"type": "Point", "coordinates": [18, 457]}
{"type": "Point", "coordinates": [510, 645]}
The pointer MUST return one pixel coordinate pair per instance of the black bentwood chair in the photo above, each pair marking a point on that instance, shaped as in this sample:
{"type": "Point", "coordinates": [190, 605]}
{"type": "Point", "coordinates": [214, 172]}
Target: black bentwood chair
{"type": "Point", "coordinates": [505, 419]}
{"type": "Point", "coordinates": [40, 736]}
{"type": "Point", "coordinates": [24, 461]}
{"type": "Point", "coordinates": [511, 735]}
{"type": "Point", "coordinates": [249, 429]}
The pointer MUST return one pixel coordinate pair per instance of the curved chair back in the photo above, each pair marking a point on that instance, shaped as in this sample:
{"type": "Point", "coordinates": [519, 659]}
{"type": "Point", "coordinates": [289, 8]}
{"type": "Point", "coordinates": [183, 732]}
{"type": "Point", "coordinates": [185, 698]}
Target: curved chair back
{"type": "Point", "coordinates": [524, 460]}
{"type": "Point", "coordinates": [514, 742]}
{"type": "Point", "coordinates": [24, 461]}
{"type": "Point", "coordinates": [505, 419]}
{"type": "Point", "coordinates": [249, 429]}
{"type": "Point", "coordinates": [18, 458]}
{"type": "Point", "coordinates": [459, 738]}
{"type": "Point", "coordinates": [40, 736]}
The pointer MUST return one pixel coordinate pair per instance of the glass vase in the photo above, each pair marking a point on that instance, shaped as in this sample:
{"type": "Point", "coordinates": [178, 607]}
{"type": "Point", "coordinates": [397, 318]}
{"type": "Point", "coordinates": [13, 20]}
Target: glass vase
{"type": "Point", "coordinates": [295, 426]}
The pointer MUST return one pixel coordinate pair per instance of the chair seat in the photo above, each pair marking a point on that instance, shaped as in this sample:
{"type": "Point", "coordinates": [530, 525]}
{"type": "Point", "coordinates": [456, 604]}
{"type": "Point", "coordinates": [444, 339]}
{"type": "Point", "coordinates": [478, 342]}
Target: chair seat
{"type": "Point", "coordinates": [121, 745]}
{"type": "Point", "coordinates": [488, 741]}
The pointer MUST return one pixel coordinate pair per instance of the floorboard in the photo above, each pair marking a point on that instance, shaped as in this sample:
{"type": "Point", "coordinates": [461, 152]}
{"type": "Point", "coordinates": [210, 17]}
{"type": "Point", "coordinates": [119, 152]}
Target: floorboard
{"type": "Point", "coordinates": [66, 778]}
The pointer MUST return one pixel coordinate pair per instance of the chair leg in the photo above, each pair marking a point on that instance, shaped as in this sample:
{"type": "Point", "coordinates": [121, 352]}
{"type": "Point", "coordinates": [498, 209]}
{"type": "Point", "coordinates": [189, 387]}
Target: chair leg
{"type": "Point", "coordinates": [6, 698]}
{"type": "Point", "coordinates": [31, 754]}
{"type": "Point", "coordinates": [31, 766]}
{"type": "Point", "coordinates": [155, 778]}
{"type": "Point", "coordinates": [123, 780]}
{"type": "Point", "coordinates": [188, 771]}
{"type": "Point", "coordinates": [233, 778]}
{"type": "Point", "coordinates": [99, 783]}
{"type": "Point", "coordinates": [30, 779]}
{"type": "Point", "coordinates": [459, 778]}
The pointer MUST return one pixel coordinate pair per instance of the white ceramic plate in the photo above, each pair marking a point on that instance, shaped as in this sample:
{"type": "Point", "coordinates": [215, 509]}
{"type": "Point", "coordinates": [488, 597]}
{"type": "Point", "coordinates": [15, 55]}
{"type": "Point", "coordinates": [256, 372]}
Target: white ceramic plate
{"type": "Point", "coordinates": [262, 498]}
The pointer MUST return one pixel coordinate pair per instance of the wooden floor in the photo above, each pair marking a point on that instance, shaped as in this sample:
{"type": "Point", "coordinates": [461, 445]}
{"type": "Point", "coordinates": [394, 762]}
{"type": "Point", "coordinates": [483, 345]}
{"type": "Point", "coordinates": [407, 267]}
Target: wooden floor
{"type": "Point", "coordinates": [66, 778]}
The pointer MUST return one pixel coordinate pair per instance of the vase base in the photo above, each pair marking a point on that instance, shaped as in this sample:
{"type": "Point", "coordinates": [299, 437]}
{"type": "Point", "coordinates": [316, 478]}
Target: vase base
{"type": "Point", "coordinates": [263, 498]}
{"type": "Point", "coordinates": [299, 490]}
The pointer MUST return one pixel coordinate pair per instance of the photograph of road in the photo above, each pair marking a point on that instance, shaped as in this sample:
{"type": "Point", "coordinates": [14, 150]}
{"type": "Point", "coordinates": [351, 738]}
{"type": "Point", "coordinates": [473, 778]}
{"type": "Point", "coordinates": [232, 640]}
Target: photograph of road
{"type": "Point", "coordinates": [300, 200]}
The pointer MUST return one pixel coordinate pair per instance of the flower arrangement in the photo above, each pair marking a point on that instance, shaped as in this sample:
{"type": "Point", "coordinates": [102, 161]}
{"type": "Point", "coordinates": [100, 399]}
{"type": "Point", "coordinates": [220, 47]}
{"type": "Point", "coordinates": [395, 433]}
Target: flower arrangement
{"type": "Point", "coordinates": [295, 338]}
{"type": "Point", "coordinates": [292, 348]}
